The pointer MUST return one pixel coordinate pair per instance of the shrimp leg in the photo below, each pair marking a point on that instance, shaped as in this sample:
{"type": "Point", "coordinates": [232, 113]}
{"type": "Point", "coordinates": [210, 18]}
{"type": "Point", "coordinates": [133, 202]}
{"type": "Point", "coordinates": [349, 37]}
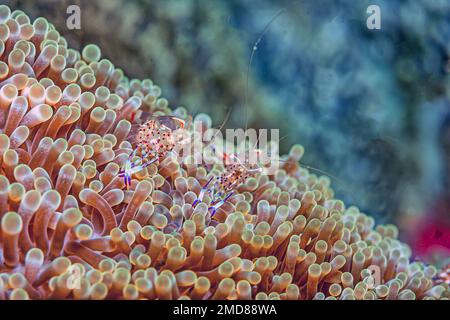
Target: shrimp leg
{"type": "Point", "coordinates": [218, 204]}
{"type": "Point", "coordinates": [132, 168]}
{"type": "Point", "coordinates": [202, 192]}
{"type": "Point", "coordinates": [125, 173]}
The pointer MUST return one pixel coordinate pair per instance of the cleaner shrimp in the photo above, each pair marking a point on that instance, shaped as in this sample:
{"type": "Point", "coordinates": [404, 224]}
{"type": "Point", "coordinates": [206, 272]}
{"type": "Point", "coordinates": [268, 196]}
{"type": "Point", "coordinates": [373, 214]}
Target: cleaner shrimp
{"type": "Point", "coordinates": [221, 188]}
{"type": "Point", "coordinates": [154, 139]}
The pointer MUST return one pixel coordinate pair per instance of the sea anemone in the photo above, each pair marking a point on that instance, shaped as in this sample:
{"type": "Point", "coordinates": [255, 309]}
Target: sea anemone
{"type": "Point", "coordinates": [70, 229]}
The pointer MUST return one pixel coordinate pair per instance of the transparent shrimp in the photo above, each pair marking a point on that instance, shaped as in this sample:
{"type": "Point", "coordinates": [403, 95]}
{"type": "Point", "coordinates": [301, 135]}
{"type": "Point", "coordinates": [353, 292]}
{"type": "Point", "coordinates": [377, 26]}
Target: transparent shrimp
{"type": "Point", "coordinates": [221, 188]}
{"type": "Point", "coordinates": [154, 139]}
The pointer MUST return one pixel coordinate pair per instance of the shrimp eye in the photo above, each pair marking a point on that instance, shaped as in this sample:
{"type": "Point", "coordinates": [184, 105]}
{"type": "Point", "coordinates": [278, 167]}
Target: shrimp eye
{"type": "Point", "coordinates": [181, 122]}
{"type": "Point", "coordinates": [170, 122]}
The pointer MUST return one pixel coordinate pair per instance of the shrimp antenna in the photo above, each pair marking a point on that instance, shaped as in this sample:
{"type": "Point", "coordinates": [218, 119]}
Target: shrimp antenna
{"type": "Point", "coordinates": [316, 170]}
{"type": "Point", "coordinates": [227, 116]}
{"type": "Point", "coordinates": [322, 172]}
{"type": "Point", "coordinates": [259, 134]}
{"type": "Point", "coordinates": [249, 66]}
{"type": "Point", "coordinates": [338, 180]}
{"type": "Point", "coordinates": [219, 129]}
{"type": "Point", "coordinates": [283, 137]}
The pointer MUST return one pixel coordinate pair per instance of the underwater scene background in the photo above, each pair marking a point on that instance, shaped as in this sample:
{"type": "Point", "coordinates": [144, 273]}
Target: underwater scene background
{"type": "Point", "coordinates": [370, 107]}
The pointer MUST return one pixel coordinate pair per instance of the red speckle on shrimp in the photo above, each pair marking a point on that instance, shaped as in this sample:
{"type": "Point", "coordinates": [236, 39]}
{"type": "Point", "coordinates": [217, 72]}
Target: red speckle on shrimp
{"type": "Point", "coordinates": [155, 137]}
